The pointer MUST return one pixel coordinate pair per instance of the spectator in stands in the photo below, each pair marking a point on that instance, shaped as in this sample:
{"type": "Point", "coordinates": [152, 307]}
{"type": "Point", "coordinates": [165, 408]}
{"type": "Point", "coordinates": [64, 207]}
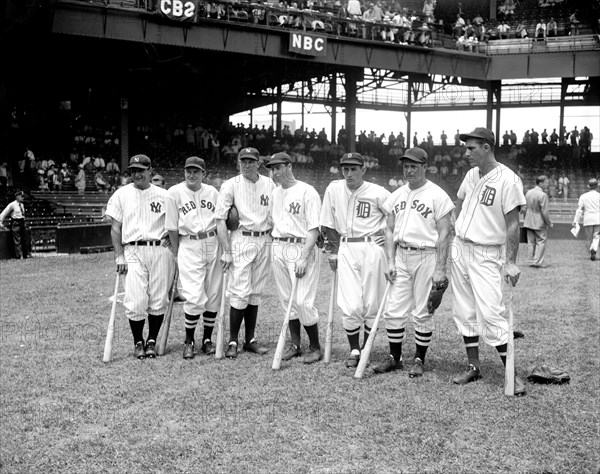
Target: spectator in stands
{"type": "Point", "coordinates": [99, 162]}
{"type": "Point", "coordinates": [459, 26]}
{"type": "Point", "coordinates": [534, 137]}
{"type": "Point", "coordinates": [41, 180]}
{"type": "Point", "coordinates": [112, 166]}
{"type": "Point", "coordinates": [573, 135]}
{"type": "Point", "coordinates": [393, 183]}
{"type": "Point", "coordinates": [3, 177]}
{"type": "Point", "coordinates": [214, 149]}
{"type": "Point", "coordinates": [563, 186]}
{"type": "Point", "coordinates": [552, 28]}
{"type": "Point", "coordinates": [457, 138]}
{"type": "Point", "coordinates": [505, 138]}
{"type": "Point", "coordinates": [425, 38]}
{"type": "Point", "coordinates": [100, 181]}
{"type": "Point", "coordinates": [545, 137]}
{"type": "Point", "coordinates": [503, 30]}
{"type": "Point", "coordinates": [552, 183]}
{"type": "Point", "coordinates": [415, 140]}
{"type": "Point", "coordinates": [80, 180]}
{"type": "Point", "coordinates": [574, 23]}
{"type": "Point", "coordinates": [540, 31]}
{"type": "Point", "coordinates": [521, 31]}
{"type": "Point", "coordinates": [444, 139]}
{"type": "Point", "coordinates": [428, 9]}
{"type": "Point", "coordinates": [554, 137]}
{"type": "Point", "coordinates": [513, 138]}
{"type": "Point", "coordinates": [354, 9]}
{"type": "Point", "coordinates": [509, 9]}
{"type": "Point", "coordinates": [549, 159]}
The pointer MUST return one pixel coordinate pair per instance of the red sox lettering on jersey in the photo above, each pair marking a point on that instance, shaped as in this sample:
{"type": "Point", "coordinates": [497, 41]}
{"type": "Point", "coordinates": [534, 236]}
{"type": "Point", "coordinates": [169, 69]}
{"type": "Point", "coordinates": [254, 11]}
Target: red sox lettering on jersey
{"type": "Point", "coordinates": [421, 208]}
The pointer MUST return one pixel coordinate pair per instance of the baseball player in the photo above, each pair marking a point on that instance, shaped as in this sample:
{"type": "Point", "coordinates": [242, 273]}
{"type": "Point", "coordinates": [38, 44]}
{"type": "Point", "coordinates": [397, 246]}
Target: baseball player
{"type": "Point", "coordinates": [246, 250]}
{"type": "Point", "coordinates": [193, 234]}
{"type": "Point", "coordinates": [354, 219]}
{"type": "Point", "coordinates": [486, 244]}
{"type": "Point", "coordinates": [142, 252]}
{"type": "Point", "coordinates": [417, 240]}
{"type": "Point", "coordinates": [18, 227]}
{"type": "Point", "coordinates": [294, 210]}
{"type": "Point", "coordinates": [588, 214]}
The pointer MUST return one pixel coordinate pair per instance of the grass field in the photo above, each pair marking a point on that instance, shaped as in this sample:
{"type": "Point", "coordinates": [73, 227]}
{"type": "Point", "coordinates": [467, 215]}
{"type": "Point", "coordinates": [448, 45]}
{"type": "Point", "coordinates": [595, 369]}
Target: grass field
{"type": "Point", "coordinates": [63, 410]}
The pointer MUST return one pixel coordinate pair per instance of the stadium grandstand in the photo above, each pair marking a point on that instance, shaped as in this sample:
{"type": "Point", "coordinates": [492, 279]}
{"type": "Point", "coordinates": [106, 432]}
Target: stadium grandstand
{"type": "Point", "coordinates": [90, 83]}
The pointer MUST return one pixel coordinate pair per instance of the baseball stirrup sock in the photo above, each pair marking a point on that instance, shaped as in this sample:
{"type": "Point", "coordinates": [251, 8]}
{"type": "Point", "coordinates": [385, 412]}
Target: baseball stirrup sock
{"type": "Point", "coordinates": [250, 316]}
{"type": "Point", "coordinates": [396, 350]}
{"type": "Point", "coordinates": [313, 336]}
{"type": "Point", "coordinates": [209, 319]}
{"type": "Point", "coordinates": [191, 320]}
{"type": "Point", "coordinates": [472, 347]}
{"type": "Point", "coordinates": [353, 338]}
{"type": "Point", "coordinates": [422, 341]}
{"type": "Point", "coordinates": [236, 316]}
{"type": "Point", "coordinates": [395, 335]}
{"type": "Point", "coordinates": [137, 329]}
{"type": "Point", "coordinates": [502, 351]}
{"type": "Point", "coordinates": [294, 326]}
{"type": "Point", "coordinates": [154, 324]}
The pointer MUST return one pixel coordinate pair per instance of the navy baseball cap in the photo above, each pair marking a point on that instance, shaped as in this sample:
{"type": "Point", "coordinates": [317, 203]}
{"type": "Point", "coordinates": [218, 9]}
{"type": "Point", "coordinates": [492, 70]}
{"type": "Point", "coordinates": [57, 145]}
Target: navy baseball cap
{"type": "Point", "coordinates": [249, 152]}
{"type": "Point", "coordinates": [415, 154]}
{"type": "Point", "coordinates": [279, 159]}
{"type": "Point", "coordinates": [195, 162]}
{"type": "Point", "coordinates": [479, 133]}
{"type": "Point", "coordinates": [140, 161]}
{"type": "Point", "coordinates": [352, 159]}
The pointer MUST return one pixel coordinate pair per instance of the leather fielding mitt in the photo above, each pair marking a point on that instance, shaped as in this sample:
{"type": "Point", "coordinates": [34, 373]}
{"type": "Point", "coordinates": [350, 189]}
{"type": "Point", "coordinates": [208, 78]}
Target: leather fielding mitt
{"type": "Point", "coordinates": [233, 218]}
{"type": "Point", "coordinates": [545, 374]}
{"type": "Point", "coordinates": [435, 295]}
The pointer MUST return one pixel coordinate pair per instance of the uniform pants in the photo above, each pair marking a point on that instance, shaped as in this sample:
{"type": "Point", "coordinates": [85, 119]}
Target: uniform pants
{"type": "Point", "coordinates": [249, 269]}
{"type": "Point", "coordinates": [477, 291]}
{"type": "Point", "coordinates": [536, 245]}
{"type": "Point", "coordinates": [149, 276]}
{"type": "Point", "coordinates": [592, 236]}
{"type": "Point", "coordinates": [201, 274]}
{"type": "Point", "coordinates": [361, 282]}
{"type": "Point", "coordinates": [21, 238]}
{"type": "Point", "coordinates": [284, 257]}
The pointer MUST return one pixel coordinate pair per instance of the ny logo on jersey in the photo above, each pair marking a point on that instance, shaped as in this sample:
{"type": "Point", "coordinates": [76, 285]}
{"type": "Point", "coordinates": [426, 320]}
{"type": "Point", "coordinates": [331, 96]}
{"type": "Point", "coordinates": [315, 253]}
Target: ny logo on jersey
{"type": "Point", "coordinates": [264, 200]}
{"type": "Point", "coordinates": [363, 209]}
{"type": "Point", "coordinates": [487, 196]}
{"type": "Point", "coordinates": [155, 207]}
{"type": "Point", "coordinates": [294, 208]}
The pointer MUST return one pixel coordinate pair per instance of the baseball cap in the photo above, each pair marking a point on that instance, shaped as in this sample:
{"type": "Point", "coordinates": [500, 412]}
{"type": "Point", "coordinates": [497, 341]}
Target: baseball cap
{"type": "Point", "coordinates": [249, 152]}
{"type": "Point", "coordinates": [140, 161]}
{"type": "Point", "coordinates": [352, 159]}
{"type": "Point", "coordinates": [195, 162]}
{"type": "Point", "coordinates": [279, 159]}
{"type": "Point", "coordinates": [480, 133]}
{"type": "Point", "coordinates": [415, 154]}
{"type": "Point", "coordinates": [593, 183]}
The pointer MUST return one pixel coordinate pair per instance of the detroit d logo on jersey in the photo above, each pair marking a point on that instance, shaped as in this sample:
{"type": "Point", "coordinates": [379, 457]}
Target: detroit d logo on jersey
{"type": "Point", "coordinates": [487, 196]}
{"type": "Point", "coordinates": [363, 209]}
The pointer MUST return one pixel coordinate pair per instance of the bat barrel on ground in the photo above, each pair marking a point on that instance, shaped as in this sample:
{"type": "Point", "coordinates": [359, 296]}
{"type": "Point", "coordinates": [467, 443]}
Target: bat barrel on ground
{"type": "Point", "coordinates": [329, 327]}
{"type": "Point", "coordinates": [162, 344]}
{"type": "Point", "coordinates": [509, 372]}
{"type": "Point", "coordinates": [284, 328]}
{"type": "Point", "coordinates": [366, 352]}
{"type": "Point", "coordinates": [110, 333]}
{"type": "Point", "coordinates": [219, 352]}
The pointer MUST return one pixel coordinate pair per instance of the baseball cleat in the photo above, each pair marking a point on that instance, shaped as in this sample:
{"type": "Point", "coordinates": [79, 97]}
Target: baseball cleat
{"type": "Point", "coordinates": [315, 355]}
{"type": "Point", "coordinates": [292, 351]}
{"type": "Point", "coordinates": [520, 388]}
{"type": "Point", "coordinates": [471, 375]}
{"type": "Point", "coordinates": [353, 358]}
{"type": "Point", "coordinates": [139, 351]}
{"type": "Point", "coordinates": [188, 350]}
{"type": "Point", "coordinates": [253, 347]}
{"type": "Point", "coordinates": [389, 365]}
{"type": "Point", "coordinates": [518, 334]}
{"type": "Point", "coordinates": [417, 369]}
{"type": "Point", "coordinates": [592, 255]}
{"type": "Point", "coordinates": [207, 347]}
{"type": "Point", "coordinates": [151, 349]}
{"type": "Point", "coordinates": [231, 350]}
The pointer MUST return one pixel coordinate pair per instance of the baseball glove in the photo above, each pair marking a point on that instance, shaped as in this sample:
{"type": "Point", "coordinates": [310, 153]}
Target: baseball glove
{"type": "Point", "coordinates": [233, 218]}
{"type": "Point", "coordinates": [547, 375]}
{"type": "Point", "coordinates": [435, 295]}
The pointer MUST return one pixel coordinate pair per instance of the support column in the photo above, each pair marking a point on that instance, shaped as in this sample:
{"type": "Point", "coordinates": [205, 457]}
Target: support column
{"type": "Point", "coordinates": [278, 116]}
{"type": "Point", "coordinates": [333, 95]}
{"type": "Point", "coordinates": [498, 98]}
{"type": "Point", "coordinates": [351, 79]}
{"type": "Point", "coordinates": [124, 139]}
{"type": "Point", "coordinates": [490, 107]}
{"type": "Point", "coordinates": [561, 121]}
{"type": "Point", "coordinates": [409, 102]}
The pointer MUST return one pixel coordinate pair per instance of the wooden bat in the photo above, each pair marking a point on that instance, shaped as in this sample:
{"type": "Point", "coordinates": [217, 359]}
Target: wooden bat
{"type": "Point", "coordinates": [509, 372]}
{"type": "Point", "coordinates": [219, 353]}
{"type": "Point", "coordinates": [284, 327]}
{"type": "Point", "coordinates": [162, 344]}
{"type": "Point", "coordinates": [366, 352]}
{"type": "Point", "coordinates": [110, 333]}
{"type": "Point", "coordinates": [329, 327]}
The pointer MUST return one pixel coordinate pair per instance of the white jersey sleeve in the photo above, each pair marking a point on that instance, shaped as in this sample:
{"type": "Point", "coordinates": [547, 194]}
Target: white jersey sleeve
{"type": "Point", "coordinates": [191, 212]}
{"type": "Point", "coordinates": [295, 210]}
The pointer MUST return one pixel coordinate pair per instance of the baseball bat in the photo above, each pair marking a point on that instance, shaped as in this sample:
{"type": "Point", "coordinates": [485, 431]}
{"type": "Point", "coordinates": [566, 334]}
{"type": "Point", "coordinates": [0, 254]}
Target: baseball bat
{"type": "Point", "coordinates": [284, 327]}
{"type": "Point", "coordinates": [509, 372]}
{"type": "Point", "coordinates": [366, 352]}
{"type": "Point", "coordinates": [219, 353]}
{"type": "Point", "coordinates": [329, 329]}
{"type": "Point", "coordinates": [162, 344]}
{"type": "Point", "coordinates": [110, 333]}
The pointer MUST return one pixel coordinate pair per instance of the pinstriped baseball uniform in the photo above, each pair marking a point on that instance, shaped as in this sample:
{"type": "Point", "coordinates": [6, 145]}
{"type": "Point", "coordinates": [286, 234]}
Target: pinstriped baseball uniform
{"type": "Point", "coordinates": [294, 212]}
{"type": "Point", "coordinates": [361, 265]}
{"type": "Point", "coordinates": [192, 214]}
{"type": "Point", "coordinates": [150, 268]}
{"type": "Point", "coordinates": [250, 252]}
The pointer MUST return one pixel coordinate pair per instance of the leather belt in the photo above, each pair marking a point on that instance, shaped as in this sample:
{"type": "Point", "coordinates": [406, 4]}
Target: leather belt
{"type": "Point", "coordinates": [203, 235]}
{"type": "Point", "coordinates": [253, 233]}
{"type": "Point", "coordinates": [294, 240]}
{"type": "Point", "coordinates": [406, 247]}
{"type": "Point", "coordinates": [143, 243]}
{"type": "Point", "coordinates": [356, 239]}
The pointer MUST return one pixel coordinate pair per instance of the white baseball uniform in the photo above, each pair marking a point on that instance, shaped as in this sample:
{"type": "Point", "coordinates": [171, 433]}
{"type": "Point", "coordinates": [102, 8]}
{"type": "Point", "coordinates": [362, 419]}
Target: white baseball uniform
{"type": "Point", "coordinates": [478, 252]}
{"type": "Point", "coordinates": [357, 216]}
{"type": "Point", "coordinates": [294, 212]}
{"type": "Point", "coordinates": [249, 243]}
{"type": "Point", "coordinates": [192, 214]}
{"type": "Point", "coordinates": [588, 214]}
{"type": "Point", "coordinates": [416, 214]}
{"type": "Point", "coordinates": [150, 264]}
